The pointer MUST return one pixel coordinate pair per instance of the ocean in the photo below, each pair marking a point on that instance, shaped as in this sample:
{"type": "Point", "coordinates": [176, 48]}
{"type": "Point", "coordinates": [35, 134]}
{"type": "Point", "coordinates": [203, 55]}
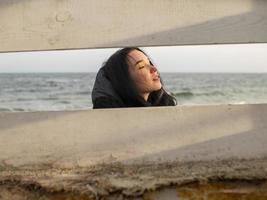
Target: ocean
{"type": "Point", "coordinates": [72, 91]}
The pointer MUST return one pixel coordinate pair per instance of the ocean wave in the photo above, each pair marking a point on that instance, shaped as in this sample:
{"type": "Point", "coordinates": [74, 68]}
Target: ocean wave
{"type": "Point", "coordinates": [18, 109]}
{"type": "Point", "coordinates": [64, 102]}
{"type": "Point", "coordinates": [52, 83]}
{"type": "Point", "coordinates": [214, 93]}
{"type": "Point", "coordinates": [239, 102]}
{"type": "Point", "coordinates": [83, 93]}
{"type": "Point", "coordinates": [189, 94]}
{"type": "Point", "coordinates": [183, 94]}
{"type": "Point", "coordinates": [33, 90]}
{"type": "Point", "coordinates": [5, 110]}
{"type": "Point", "coordinates": [49, 98]}
{"type": "Point", "coordinates": [24, 99]}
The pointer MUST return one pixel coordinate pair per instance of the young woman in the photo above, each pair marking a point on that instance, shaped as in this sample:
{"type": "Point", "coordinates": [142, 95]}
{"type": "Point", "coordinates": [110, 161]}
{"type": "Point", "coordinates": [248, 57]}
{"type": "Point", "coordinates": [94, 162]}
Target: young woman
{"type": "Point", "coordinates": [129, 79]}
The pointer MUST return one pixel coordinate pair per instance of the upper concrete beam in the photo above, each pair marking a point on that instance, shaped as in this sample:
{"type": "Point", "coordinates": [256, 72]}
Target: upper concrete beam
{"type": "Point", "coordinates": [27, 25]}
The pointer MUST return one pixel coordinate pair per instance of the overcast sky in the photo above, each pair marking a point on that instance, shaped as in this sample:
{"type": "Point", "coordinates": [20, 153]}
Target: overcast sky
{"type": "Point", "coordinates": [206, 58]}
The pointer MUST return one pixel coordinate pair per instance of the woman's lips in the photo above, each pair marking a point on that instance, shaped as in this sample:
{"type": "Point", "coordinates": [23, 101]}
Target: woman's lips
{"type": "Point", "coordinates": [156, 78]}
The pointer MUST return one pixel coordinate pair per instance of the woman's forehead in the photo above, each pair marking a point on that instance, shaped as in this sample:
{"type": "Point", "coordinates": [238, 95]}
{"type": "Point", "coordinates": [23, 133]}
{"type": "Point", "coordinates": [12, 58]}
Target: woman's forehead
{"type": "Point", "coordinates": [136, 56]}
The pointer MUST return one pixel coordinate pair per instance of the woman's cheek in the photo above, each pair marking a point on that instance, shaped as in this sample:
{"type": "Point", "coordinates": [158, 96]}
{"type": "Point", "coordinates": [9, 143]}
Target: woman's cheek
{"type": "Point", "coordinates": [144, 80]}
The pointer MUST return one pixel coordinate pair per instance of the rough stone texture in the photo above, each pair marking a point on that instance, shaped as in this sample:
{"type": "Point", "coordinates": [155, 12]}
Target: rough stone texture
{"type": "Point", "coordinates": [127, 181]}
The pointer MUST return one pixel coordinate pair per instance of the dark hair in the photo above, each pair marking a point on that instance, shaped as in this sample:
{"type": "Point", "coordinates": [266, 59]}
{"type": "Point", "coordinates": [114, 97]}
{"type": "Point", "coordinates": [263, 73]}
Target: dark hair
{"type": "Point", "coordinates": [116, 70]}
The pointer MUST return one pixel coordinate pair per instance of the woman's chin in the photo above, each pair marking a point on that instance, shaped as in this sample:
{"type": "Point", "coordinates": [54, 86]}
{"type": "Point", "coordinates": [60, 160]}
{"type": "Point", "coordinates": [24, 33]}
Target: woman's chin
{"type": "Point", "coordinates": [157, 86]}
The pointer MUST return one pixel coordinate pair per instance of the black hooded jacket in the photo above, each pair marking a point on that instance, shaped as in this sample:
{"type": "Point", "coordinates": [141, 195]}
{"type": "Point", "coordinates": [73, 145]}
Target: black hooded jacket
{"type": "Point", "coordinates": [103, 94]}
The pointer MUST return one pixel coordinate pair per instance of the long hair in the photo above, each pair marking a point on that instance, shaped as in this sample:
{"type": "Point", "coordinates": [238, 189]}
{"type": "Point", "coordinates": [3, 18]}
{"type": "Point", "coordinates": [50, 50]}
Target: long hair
{"type": "Point", "coordinates": [116, 69]}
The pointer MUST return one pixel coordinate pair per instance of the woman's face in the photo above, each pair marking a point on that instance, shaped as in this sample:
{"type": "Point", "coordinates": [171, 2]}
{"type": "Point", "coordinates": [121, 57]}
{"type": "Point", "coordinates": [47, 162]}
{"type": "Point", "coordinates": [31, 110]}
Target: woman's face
{"type": "Point", "coordinates": [144, 75]}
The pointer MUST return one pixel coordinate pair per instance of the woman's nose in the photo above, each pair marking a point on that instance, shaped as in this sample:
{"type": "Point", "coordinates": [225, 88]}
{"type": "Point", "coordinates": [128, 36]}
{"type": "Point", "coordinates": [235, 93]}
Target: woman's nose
{"type": "Point", "coordinates": [153, 69]}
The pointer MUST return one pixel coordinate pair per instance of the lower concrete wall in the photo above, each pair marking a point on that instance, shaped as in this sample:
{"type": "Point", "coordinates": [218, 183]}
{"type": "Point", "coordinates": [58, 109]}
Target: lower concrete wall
{"type": "Point", "coordinates": [133, 135]}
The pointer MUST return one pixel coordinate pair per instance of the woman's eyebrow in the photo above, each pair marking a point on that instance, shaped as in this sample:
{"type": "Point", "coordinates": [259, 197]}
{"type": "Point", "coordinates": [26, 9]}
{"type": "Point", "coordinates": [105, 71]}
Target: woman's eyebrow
{"type": "Point", "coordinates": [139, 61]}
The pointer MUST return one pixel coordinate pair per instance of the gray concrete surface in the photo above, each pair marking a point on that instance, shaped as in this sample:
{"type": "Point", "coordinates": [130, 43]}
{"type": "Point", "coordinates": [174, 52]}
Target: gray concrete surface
{"type": "Point", "coordinates": [75, 24]}
{"type": "Point", "coordinates": [134, 135]}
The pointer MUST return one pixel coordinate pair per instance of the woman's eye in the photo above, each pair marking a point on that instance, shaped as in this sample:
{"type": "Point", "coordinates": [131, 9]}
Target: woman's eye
{"type": "Point", "coordinates": [141, 67]}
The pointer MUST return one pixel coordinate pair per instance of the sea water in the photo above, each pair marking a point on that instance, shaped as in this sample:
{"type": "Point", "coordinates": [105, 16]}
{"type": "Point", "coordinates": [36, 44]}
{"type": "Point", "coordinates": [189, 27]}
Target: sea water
{"type": "Point", "coordinates": [72, 91]}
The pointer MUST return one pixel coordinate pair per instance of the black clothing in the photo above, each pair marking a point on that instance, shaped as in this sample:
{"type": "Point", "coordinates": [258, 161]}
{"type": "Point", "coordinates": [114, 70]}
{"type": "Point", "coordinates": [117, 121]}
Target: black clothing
{"type": "Point", "coordinates": [106, 102]}
{"type": "Point", "coordinates": [104, 96]}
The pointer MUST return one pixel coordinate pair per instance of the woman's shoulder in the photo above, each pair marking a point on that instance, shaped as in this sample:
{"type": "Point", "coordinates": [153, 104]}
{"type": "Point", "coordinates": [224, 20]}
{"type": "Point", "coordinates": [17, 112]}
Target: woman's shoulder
{"type": "Point", "coordinates": [103, 94]}
{"type": "Point", "coordinates": [107, 102]}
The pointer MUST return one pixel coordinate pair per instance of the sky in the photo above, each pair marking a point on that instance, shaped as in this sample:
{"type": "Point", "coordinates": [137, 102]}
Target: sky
{"type": "Point", "coordinates": [239, 58]}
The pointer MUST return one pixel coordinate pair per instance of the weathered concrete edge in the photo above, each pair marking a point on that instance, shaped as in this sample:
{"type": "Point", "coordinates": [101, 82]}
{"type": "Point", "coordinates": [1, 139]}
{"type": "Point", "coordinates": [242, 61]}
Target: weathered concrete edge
{"type": "Point", "coordinates": [114, 180]}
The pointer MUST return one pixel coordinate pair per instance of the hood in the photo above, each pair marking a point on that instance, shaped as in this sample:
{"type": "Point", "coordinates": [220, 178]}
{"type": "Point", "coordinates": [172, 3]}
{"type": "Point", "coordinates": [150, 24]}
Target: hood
{"type": "Point", "coordinates": [103, 88]}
